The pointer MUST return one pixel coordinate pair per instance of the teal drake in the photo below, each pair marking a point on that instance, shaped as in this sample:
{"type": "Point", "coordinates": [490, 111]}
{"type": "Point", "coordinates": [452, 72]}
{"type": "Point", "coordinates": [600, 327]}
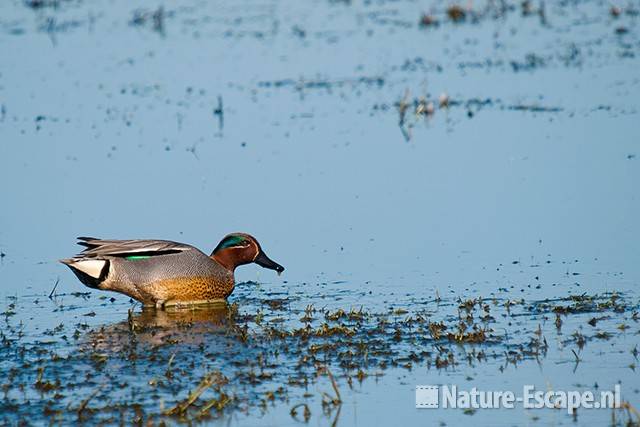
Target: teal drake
{"type": "Point", "coordinates": [162, 272]}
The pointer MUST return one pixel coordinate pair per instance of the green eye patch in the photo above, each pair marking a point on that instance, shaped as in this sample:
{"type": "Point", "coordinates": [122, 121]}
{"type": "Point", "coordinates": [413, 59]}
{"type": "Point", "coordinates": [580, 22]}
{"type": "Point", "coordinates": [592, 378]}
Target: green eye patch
{"type": "Point", "coordinates": [229, 242]}
{"type": "Point", "coordinates": [232, 241]}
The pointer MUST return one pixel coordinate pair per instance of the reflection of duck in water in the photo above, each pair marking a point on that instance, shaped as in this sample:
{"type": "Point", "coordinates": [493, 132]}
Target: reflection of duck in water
{"type": "Point", "coordinates": [216, 315]}
{"type": "Point", "coordinates": [162, 272]}
{"type": "Point", "coordinates": [190, 325]}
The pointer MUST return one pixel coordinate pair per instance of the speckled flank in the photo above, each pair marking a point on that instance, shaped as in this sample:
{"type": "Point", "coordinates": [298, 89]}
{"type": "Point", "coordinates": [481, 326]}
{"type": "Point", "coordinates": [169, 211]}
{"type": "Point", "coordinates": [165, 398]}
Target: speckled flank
{"type": "Point", "coordinates": [188, 289]}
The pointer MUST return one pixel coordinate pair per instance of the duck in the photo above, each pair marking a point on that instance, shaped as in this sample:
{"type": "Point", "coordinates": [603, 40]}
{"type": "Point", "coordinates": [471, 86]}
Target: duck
{"type": "Point", "coordinates": [164, 273]}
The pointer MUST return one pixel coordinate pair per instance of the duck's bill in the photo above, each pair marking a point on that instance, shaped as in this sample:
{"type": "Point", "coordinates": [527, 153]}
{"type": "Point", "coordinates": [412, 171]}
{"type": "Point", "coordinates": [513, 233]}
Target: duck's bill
{"type": "Point", "coordinates": [264, 261]}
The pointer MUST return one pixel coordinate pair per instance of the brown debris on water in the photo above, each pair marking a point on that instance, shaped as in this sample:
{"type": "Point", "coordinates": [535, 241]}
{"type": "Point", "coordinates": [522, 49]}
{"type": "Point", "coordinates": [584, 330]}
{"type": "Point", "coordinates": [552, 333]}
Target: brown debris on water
{"type": "Point", "coordinates": [428, 20]}
{"type": "Point", "coordinates": [615, 11]}
{"type": "Point", "coordinates": [443, 100]}
{"type": "Point", "coordinates": [456, 13]}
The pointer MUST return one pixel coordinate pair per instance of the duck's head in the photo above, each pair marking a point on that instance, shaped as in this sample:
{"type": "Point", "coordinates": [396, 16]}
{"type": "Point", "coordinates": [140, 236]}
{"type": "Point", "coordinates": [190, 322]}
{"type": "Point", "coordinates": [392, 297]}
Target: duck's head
{"type": "Point", "coordinates": [239, 249]}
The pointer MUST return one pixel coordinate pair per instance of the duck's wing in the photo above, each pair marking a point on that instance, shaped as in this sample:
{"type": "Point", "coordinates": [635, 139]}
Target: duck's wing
{"type": "Point", "coordinates": [96, 248]}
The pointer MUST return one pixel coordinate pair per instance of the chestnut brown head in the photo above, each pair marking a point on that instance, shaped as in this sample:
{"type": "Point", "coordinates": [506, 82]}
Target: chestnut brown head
{"type": "Point", "coordinates": [239, 249]}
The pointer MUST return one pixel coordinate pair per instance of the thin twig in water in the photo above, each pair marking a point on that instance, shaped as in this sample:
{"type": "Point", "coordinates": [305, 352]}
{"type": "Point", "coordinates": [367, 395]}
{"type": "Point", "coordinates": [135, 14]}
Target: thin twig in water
{"type": "Point", "coordinates": [337, 400]}
{"type": "Point", "coordinates": [219, 111]}
{"type": "Point", "coordinates": [337, 417]}
{"type": "Point", "coordinates": [168, 373]}
{"type": "Point", "coordinates": [578, 360]}
{"type": "Point", "coordinates": [306, 413]}
{"type": "Point", "coordinates": [54, 288]}
{"type": "Point", "coordinates": [576, 355]}
{"type": "Point", "coordinates": [130, 321]}
{"type": "Point", "coordinates": [218, 403]}
{"type": "Point", "coordinates": [207, 381]}
{"type": "Point", "coordinates": [335, 386]}
{"type": "Point", "coordinates": [85, 402]}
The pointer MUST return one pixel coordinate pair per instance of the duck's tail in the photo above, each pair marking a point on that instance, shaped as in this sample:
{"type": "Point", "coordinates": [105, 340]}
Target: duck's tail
{"type": "Point", "coordinates": [91, 272]}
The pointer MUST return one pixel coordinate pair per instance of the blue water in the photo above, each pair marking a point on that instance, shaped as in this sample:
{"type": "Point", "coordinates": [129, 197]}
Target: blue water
{"type": "Point", "coordinates": [525, 186]}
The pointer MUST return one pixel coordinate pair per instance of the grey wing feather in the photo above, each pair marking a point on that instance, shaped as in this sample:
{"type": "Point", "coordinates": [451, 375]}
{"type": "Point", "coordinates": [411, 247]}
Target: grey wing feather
{"type": "Point", "coordinates": [100, 247]}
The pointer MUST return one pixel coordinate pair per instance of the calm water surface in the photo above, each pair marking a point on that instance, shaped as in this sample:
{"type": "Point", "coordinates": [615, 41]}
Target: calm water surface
{"type": "Point", "coordinates": [302, 123]}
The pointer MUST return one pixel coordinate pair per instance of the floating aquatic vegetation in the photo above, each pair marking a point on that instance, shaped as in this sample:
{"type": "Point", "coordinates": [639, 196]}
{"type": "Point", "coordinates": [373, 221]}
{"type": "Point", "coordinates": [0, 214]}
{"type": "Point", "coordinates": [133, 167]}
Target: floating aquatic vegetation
{"type": "Point", "coordinates": [207, 362]}
{"type": "Point", "coordinates": [412, 111]}
{"type": "Point", "coordinates": [156, 18]}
